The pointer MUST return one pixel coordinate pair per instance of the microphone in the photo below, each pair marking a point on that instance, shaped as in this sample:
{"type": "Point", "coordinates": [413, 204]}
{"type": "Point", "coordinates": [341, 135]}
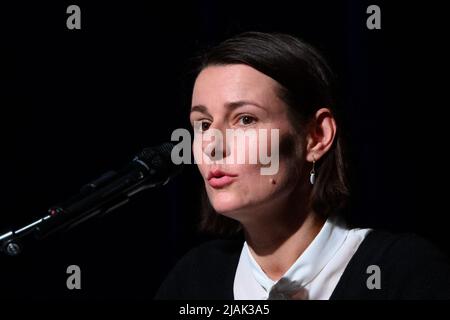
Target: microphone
{"type": "Point", "coordinates": [152, 167]}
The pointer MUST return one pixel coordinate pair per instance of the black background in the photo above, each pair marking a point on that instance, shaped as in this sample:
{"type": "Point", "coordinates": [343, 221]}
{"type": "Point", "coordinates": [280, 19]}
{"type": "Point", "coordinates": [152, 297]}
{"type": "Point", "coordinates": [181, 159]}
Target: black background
{"type": "Point", "coordinates": [77, 103]}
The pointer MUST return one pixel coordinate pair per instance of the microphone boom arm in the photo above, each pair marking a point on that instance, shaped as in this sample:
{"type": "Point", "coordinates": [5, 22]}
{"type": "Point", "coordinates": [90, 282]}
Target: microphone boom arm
{"type": "Point", "coordinates": [103, 195]}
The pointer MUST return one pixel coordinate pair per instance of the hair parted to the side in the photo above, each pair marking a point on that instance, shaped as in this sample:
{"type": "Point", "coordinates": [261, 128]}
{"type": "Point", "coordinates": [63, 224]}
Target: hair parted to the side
{"type": "Point", "coordinates": [306, 85]}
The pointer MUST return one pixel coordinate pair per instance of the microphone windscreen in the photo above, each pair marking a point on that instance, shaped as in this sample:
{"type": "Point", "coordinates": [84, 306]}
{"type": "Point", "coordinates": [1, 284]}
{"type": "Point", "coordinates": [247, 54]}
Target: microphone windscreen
{"type": "Point", "coordinates": [159, 158]}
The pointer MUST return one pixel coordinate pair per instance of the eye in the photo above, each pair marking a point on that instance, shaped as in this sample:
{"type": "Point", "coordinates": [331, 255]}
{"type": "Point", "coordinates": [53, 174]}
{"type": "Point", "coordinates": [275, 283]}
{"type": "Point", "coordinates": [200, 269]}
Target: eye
{"type": "Point", "coordinates": [205, 125]}
{"type": "Point", "coordinates": [246, 120]}
{"type": "Point", "coordinates": [201, 125]}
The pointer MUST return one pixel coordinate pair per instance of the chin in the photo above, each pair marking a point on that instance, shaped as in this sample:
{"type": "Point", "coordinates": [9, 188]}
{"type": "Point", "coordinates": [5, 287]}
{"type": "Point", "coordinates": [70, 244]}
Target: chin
{"type": "Point", "coordinates": [226, 203]}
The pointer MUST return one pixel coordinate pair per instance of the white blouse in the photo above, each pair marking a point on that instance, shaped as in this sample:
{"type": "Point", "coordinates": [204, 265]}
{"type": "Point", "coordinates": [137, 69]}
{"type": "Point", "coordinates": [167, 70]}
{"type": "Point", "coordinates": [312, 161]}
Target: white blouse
{"type": "Point", "coordinates": [314, 275]}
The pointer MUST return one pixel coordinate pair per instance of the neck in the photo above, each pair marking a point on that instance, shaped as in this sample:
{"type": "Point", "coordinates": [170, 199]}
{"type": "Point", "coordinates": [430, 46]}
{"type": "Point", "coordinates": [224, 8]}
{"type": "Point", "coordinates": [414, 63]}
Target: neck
{"type": "Point", "coordinates": [278, 238]}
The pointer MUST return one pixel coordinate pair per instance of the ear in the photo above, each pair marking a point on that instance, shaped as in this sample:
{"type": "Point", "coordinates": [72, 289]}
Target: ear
{"type": "Point", "coordinates": [320, 135]}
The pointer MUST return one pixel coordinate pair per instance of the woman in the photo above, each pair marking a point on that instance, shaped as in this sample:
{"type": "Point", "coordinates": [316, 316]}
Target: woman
{"type": "Point", "coordinates": [296, 244]}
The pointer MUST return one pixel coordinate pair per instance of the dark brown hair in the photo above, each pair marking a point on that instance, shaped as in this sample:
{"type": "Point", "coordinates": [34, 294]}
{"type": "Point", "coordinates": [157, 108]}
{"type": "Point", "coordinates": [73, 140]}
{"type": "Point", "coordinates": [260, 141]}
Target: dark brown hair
{"type": "Point", "coordinates": [306, 84]}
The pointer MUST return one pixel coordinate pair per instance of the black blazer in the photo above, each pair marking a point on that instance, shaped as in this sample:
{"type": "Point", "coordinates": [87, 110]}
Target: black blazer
{"type": "Point", "coordinates": [411, 268]}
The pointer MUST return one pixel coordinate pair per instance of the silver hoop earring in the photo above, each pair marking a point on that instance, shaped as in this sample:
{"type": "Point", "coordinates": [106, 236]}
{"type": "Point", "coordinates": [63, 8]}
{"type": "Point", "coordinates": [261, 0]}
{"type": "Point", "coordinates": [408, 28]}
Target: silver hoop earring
{"type": "Point", "coordinates": [312, 174]}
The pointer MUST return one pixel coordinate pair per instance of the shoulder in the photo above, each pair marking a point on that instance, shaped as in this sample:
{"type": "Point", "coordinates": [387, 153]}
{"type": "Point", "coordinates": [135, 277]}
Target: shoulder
{"type": "Point", "coordinates": [210, 253]}
{"type": "Point", "coordinates": [211, 262]}
{"type": "Point", "coordinates": [402, 250]}
{"type": "Point", "coordinates": [408, 267]}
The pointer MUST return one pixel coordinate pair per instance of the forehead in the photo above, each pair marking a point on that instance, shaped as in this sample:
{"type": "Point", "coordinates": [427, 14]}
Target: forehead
{"type": "Point", "coordinates": [233, 82]}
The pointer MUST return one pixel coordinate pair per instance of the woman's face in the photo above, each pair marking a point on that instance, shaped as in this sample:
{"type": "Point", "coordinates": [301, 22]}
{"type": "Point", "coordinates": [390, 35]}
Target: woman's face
{"type": "Point", "coordinates": [240, 97]}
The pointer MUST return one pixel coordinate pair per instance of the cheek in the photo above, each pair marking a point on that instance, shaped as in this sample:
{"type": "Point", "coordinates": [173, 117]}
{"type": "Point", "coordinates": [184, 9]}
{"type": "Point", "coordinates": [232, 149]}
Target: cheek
{"type": "Point", "coordinates": [197, 150]}
{"type": "Point", "coordinates": [260, 187]}
{"type": "Point", "coordinates": [283, 181]}
{"type": "Point", "coordinates": [203, 170]}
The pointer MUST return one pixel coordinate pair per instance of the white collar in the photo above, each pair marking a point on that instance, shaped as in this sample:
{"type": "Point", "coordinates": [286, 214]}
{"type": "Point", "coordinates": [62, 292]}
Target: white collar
{"type": "Point", "coordinates": [310, 263]}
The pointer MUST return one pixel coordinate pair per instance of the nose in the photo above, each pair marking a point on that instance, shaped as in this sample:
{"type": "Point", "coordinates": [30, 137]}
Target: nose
{"type": "Point", "coordinates": [216, 148]}
{"type": "Point", "coordinates": [220, 151]}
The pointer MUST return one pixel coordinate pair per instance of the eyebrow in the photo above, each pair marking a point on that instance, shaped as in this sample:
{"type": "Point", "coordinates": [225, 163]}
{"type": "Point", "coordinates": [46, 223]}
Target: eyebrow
{"type": "Point", "coordinates": [229, 105]}
{"type": "Point", "coordinates": [200, 108]}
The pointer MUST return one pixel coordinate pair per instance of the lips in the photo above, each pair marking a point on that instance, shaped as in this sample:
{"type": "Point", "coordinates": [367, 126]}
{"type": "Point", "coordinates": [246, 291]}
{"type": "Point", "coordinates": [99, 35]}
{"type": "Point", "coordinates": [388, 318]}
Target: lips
{"type": "Point", "coordinates": [220, 179]}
